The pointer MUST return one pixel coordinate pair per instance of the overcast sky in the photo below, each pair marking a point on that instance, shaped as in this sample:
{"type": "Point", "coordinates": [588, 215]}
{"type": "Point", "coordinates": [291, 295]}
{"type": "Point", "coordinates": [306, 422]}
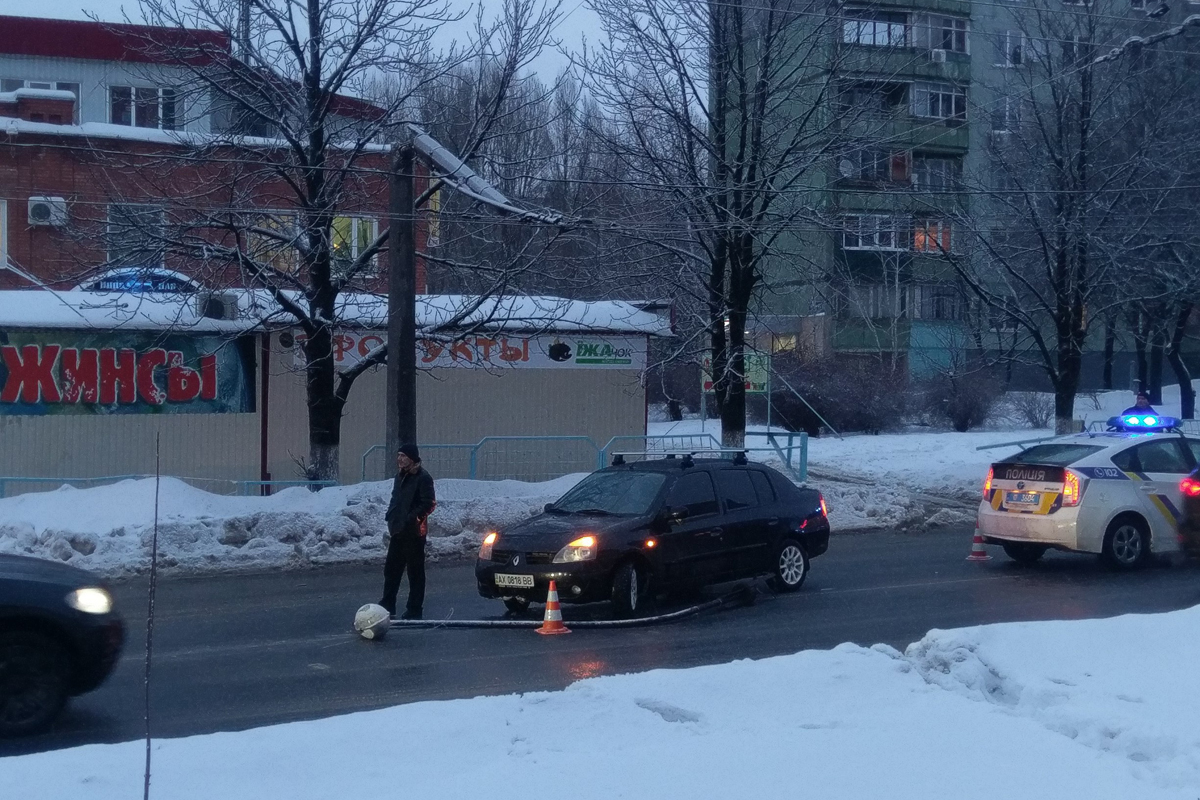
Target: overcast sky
{"type": "Point", "coordinates": [577, 21]}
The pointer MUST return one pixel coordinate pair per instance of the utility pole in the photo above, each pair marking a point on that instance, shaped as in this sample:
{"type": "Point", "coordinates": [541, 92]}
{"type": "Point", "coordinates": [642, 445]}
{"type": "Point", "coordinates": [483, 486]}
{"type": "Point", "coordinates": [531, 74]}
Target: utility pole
{"type": "Point", "coordinates": [401, 426]}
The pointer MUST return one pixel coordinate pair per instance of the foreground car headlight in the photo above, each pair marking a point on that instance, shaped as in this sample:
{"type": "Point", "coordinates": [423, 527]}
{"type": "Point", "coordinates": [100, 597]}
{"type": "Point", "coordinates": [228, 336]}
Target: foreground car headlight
{"type": "Point", "coordinates": [485, 549]}
{"type": "Point", "coordinates": [90, 600]}
{"type": "Point", "coordinates": [582, 549]}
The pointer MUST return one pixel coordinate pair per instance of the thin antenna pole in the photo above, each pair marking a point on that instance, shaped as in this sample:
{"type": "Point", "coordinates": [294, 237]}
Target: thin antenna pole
{"type": "Point", "coordinates": [150, 608]}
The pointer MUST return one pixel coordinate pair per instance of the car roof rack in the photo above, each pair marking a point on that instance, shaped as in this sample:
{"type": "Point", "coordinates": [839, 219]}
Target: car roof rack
{"type": "Point", "coordinates": [686, 456]}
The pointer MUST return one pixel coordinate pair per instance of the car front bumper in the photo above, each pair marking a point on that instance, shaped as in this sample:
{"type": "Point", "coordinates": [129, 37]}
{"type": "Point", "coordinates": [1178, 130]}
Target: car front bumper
{"type": "Point", "coordinates": [578, 582]}
{"type": "Point", "coordinates": [98, 644]}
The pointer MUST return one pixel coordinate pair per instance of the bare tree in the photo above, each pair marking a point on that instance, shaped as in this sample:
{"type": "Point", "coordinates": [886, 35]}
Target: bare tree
{"type": "Point", "coordinates": [1086, 160]}
{"type": "Point", "coordinates": [720, 114]}
{"type": "Point", "coordinates": [296, 165]}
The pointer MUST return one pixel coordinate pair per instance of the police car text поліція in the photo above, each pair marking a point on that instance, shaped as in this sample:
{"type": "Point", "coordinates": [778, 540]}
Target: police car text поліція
{"type": "Point", "coordinates": [1114, 492]}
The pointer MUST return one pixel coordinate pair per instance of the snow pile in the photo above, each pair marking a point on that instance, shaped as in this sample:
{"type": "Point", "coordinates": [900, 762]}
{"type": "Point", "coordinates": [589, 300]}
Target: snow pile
{"type": "Point", "coordinates": [110, 529]}
{"type": "Point", "coordinates": [1039, 711]}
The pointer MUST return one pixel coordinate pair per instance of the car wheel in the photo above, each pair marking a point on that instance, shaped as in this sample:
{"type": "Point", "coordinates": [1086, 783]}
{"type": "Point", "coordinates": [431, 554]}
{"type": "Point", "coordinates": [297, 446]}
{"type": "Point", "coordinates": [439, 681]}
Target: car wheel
{"type": "Point", "coordinates": [629, 590]}
{"type": "Point", "coordinates": [1024, 553]}
{"type": "Point", "coordinates": [517, 604]}
{"type": "Point", "coordinates": [791, 566]}
{"type": "Point", "coordinates": [1127, 543]}
{"type": "Point", "coordinates": [34, 673]}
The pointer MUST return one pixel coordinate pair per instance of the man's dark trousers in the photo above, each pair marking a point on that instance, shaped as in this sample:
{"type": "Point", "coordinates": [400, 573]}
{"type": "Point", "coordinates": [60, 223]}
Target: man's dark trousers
{"type": "Point", "coordinates": [405, 550]}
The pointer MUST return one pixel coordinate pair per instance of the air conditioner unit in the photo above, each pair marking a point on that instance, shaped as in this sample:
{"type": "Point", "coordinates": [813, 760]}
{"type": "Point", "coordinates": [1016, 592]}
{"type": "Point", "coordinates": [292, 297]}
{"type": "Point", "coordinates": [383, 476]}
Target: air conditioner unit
{"type": "Point", "coordinates": [217, 305]}
{"type": "Point", "coordinates": [937, 56]}
{"type": "Point", "coordinates": [47, 212]}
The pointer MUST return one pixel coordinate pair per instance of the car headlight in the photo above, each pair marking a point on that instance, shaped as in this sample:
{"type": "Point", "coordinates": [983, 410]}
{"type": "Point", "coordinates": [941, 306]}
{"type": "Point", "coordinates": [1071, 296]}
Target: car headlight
{"type": "Point", "coordinates": [582, 549]}
{"type": "Point", "coordinates": [90, 600]}
{"type": "Point", "coordinates": [485, 549]}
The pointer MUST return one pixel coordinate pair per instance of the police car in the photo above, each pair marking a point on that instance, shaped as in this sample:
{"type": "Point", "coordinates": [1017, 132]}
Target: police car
{"type": "Point", "coordinates": [1116, 492]}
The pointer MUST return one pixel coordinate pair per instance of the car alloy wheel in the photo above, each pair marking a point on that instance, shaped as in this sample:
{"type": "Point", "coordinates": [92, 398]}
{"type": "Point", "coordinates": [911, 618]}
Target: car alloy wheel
{"type": "Point", "coordinates": [791, 566]}
{"type": "Point", "coordinates": [1127, 544]}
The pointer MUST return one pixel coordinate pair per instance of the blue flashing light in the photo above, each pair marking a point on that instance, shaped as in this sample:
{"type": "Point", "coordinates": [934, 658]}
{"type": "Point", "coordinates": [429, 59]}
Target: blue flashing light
{"type": "Point", "coordinates": [1147, 423]}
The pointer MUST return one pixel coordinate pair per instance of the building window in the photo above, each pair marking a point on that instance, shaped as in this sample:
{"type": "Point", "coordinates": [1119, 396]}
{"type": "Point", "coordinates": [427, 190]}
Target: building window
{"type": "Point", "coordinates": [872, 232]}
{"type": "Point", "coordinates": [869, 99]}
{"type": "Point", "coordinates": [1006, 115]}
{"type": "Point", "coordinates": [932, 236]}
{"type": "Point", "coordinates": [939, 101]}
{"type": "Point", "coordinates": [1010, 49]}
{"type": "Point", "coordinates": [938, 32]}
{"type": "Point", "coordinates": [1001, 178]}
{"type": "Point", "coordinates": [135, 235]}
{"type": "Point", "coordinates": [874, 165]}
{"type": "Point", "coordinates": [875, 28]}
{"type": "Point", "coordinates": [351, 237]}
{"type": "Point", "coordinates": [278, 251]}
{"type": "Point", "coordinates": [142, 107]}
{"type": "Point", "coordinates": [937, 173]}
{"type": "Point", "coordinates": [938, 301]}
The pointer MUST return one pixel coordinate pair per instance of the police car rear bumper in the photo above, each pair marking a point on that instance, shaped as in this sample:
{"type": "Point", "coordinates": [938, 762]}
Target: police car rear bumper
{"type": "Point", "coordinates": [1059, 529]}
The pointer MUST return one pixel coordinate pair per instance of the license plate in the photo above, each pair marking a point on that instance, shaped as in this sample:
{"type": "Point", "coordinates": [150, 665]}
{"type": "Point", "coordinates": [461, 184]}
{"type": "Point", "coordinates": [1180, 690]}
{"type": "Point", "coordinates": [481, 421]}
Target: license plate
{"type": "Point", "coordinates": [1023, 498]}
{"type": "Point", "coordinates": [515, 581]}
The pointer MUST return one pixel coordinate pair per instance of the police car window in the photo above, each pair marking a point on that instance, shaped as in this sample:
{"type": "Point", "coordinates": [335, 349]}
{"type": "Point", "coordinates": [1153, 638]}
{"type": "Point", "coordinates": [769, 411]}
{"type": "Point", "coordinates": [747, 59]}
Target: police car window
{"type": "Point", "coordinates": [1056, 455]}
{"type": "Point", "coordinates": [737, 489]}
{"type": "Point", "coordinates": [1126, 460]}
{"type": "Point", "coordinates": [694, 492]}
{"type": "Point", "coordinates": [1194, 445]}
{"type": "Point", "coordinates": [1162, 456]}
{"type": "Point", "coordinates": [762, 485]}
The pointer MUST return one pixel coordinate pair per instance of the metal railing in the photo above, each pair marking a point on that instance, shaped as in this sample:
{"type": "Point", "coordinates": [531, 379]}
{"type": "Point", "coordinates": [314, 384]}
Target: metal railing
{"type": "Point", "coordinates": [243, 488]}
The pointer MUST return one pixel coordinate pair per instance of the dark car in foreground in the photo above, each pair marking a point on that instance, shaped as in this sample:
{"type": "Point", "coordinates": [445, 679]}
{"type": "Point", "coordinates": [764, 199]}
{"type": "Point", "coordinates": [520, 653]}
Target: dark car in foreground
{"type": "Point", "coordinates": [1189, 521]}
{"type": "Point", "coordinates": [631, 531]}
{"type": "Point", "coordinates": [59, 636]}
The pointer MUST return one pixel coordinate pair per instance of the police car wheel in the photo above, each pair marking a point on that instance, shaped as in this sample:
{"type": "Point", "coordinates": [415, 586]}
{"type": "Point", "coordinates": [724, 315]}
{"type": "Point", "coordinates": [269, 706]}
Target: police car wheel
{"type": "Point", "coordinates": [517, 604]}
{"type": "Point", "coordinates": [1024, 553]}
{"type": "Point", "coordinates": [1127, 543]}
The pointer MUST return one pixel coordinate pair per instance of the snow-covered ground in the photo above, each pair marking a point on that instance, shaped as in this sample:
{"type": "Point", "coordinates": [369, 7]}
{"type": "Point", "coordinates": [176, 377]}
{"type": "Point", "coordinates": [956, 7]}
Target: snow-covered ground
{"type": "Point", "coordinates": [109, 529]}
{"type": "Point", "coordinates": [868, 481]}
{"type": "Point", "coordinates": [1086, 710]}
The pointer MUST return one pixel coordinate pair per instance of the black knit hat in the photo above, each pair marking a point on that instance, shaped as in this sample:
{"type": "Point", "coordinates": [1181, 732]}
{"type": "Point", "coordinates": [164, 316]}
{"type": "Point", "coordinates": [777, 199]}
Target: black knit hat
{"type": "Point", "coordinates": [411, 451]}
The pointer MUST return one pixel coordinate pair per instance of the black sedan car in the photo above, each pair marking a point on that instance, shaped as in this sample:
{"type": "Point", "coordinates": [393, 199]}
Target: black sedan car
{"type": "Point", "coordinates": [634, 530]}
{"type": "Point", "coordinates": [1189, 522]}
{"type": "Point", "coordinates": [59, 636]}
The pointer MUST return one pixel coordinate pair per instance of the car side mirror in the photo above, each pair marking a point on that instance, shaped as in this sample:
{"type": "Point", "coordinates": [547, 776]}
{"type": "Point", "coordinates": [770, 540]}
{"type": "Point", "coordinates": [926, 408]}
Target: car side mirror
{"type": "Point", "coordinates": [677, 514]}
{"type": "Point", "coordinates": [546, 508]}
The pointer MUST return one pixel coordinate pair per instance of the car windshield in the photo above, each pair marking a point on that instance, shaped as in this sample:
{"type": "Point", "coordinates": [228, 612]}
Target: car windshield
{"type": "Point", "coordinates": [612, 493]}
{"type": "Point", "coordinates": [1055, 455]}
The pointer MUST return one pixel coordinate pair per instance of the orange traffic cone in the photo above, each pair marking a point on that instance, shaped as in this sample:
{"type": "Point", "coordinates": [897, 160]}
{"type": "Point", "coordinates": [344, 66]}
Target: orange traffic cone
{"type": "Point", "coordinates": [552, 622]}
{"type": "Point", "coordinates": [978, 551]}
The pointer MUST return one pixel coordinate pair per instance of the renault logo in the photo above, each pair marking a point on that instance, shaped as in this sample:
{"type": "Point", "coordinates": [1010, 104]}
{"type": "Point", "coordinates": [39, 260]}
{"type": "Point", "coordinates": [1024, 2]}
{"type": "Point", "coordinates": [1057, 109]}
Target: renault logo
{"type": "Point", "coordinates": [516, 560]}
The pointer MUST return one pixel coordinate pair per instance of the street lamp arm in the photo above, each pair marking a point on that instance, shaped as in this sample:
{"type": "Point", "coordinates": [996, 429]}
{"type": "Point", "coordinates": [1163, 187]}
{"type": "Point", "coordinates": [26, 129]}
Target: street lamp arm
{"type": "Point", "coordinates": [1138, 42]}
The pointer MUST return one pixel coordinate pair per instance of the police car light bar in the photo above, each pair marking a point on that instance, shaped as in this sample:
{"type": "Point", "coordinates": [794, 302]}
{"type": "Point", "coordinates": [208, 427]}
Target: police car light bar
{"type": "Point", "coordinates": [1142, 422]}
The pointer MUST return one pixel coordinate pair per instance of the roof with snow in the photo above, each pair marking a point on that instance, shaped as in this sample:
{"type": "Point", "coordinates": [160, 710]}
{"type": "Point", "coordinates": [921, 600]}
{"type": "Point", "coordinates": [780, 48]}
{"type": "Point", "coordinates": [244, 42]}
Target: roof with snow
{"type": "Point", "coordinates": [100, 41]}
{"type": "Point", "coordinates": [76, 309]}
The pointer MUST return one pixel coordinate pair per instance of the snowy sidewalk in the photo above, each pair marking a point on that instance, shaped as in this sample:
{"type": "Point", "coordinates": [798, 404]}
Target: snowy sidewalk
{"type": "Point", "coordinates": [1084, 710]}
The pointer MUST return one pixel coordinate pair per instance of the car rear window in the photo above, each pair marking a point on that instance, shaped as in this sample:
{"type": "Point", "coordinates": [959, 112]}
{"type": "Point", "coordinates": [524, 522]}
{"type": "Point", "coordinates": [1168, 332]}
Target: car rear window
{"type": "Point", "coordinates": [762, 485]}
{"type": "Point", "coordinates": [1057, 455]}
{"type": "Point", "coordinates": [694, 491]}
{"type": "Point", "coordinates": [737, 489]}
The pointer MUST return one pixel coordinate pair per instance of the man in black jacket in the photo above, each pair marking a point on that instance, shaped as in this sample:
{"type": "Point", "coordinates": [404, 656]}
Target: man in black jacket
{"type": "Point", "coordinates": [412, 503]}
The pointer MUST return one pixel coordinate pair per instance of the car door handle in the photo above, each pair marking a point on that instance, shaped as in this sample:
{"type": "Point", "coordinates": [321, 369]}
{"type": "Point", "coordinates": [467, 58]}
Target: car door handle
{"type": "Point", "coordinates": [1147, 488]}
{"type": "Point", "coordinates": [711, 532]}
{"type": "Point", "coordinates": [773, 521]}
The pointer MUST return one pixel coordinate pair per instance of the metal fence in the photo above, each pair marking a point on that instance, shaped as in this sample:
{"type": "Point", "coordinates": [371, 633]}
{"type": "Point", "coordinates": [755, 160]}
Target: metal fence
{"type": "Point", "coordinates": [14, 485]}
{"type": "Point", "coordinates": [540, 458]}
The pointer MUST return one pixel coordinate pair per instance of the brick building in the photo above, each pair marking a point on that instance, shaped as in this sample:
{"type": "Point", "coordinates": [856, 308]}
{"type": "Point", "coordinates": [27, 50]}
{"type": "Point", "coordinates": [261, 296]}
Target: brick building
{"type": "Point", "coordinates": [107, 162]}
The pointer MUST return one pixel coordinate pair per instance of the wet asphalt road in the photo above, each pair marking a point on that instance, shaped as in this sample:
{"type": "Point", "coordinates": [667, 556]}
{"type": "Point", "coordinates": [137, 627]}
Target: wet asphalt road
{"type": "Point", "coordinates": [237, 652]}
